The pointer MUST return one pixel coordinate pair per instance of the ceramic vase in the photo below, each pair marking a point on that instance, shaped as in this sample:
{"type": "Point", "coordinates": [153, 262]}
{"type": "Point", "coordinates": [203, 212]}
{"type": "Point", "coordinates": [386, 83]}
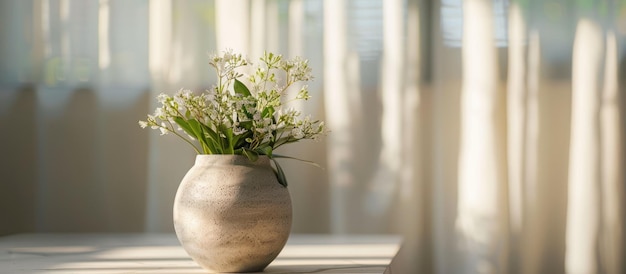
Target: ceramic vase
{"type": "Point", "coordinates": [231, 214]}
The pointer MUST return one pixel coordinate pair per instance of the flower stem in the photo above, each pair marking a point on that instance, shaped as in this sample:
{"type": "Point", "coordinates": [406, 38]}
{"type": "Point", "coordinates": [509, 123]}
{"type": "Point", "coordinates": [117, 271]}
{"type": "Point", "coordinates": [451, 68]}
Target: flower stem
{"type": "Point", "coordinates": [182, 137]}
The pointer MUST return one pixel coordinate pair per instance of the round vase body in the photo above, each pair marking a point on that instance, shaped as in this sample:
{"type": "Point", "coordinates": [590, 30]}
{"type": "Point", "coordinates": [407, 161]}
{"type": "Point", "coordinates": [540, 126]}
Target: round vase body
{"type": "Point", "coordinates": [231, 214]}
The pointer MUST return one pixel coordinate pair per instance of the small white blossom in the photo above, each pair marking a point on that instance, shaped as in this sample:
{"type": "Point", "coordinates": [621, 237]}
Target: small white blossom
{"type": "Point", "coordinates": [297, 133]}
{"type": "Point", "coordinates": [239, 130]}
{"type": "Point", "coordinates": [303, 94]}
{"type": "Point", "coordinates": [160, 112]}
{"type": "Point", "coordinates": [163, 129]}
{"type": "Point", "coordinates": [162, 98]}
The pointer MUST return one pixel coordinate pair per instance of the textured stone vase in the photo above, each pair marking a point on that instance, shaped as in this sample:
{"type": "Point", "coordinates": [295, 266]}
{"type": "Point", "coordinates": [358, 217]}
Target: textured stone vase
{"type": "Point", "coordinates": [231, 214]}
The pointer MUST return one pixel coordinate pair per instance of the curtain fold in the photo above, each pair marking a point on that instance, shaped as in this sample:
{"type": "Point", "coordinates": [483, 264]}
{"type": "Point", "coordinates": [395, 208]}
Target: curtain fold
{"type": "Point", "coordinates": [583, 215]}
{"type": "Point", "coordinates": [612, 159]}
{"type": "Point", "coordinates": [338, 89]}
{"type": "Point", "coordinates": [482, 218]}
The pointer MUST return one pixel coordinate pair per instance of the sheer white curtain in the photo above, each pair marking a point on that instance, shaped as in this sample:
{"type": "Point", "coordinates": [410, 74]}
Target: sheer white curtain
{"type": "Point", "coordinates": [540, 135]}
{"type": "Point", "coordinates": [489, 133]}
{"type": "Point", "coordinates": [73, 79]}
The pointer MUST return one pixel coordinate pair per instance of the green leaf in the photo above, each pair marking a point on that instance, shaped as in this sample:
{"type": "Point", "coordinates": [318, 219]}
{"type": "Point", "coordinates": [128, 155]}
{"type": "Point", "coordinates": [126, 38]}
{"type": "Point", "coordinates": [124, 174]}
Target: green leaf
{"type": "Point", "coordinates": [247, 125]}
{"type": "Point", "coordinates": [193, 128]}
{"type": "Point", "coordinates": [240, 140]}
{"type": "Point", "coordinates": [196, 127]}
{"type": "Point", "coordinates": [250, 154]}
{"type": "Point", "coordinates": [284, 140]}
{"type": "Point", "coordinates": [211, 139]}
{"type": "Point", "coordinates": [228, 147]}
{"type": "Point", "coordinates": [268, 112]}
{"type": "Point", "coordinates": [240, 88]}
{"type": "Point", "coordinates": [200, 129]}
{"type": "Point", "coordinates": [298, 159]}
{"type": "Point", "coordinates": [185, 126]}
{"type": "Point", "coordinates": [280, 174]}
{"type": "Point", "coordinates": [212, 134]}
{"type": "Point", "coordinates": [248, 114]}
{"type": "Point", "coordinates": [265, 150]}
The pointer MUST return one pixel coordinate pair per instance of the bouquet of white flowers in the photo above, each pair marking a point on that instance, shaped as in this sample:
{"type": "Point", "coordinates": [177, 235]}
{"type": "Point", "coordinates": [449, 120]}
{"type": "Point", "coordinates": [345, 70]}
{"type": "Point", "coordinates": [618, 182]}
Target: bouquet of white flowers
{"type": "Point", "coordinates": [241, 114]}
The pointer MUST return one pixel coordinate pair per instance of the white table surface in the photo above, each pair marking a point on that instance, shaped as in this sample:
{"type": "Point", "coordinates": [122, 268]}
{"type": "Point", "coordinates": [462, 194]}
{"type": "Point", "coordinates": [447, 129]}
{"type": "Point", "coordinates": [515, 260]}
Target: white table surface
{"type": "Point", "coordinates": [161, 253]}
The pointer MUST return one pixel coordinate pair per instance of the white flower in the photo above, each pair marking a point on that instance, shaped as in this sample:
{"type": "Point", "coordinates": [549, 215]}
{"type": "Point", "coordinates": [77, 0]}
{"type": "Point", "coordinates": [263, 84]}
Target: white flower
{"type": "Point", "coordinates": [297, 133]}
{"type": "Point", "coordinates": [163, 129]}
{"type": "Point", "coordinates": [162, 98]}
{"type": "Point", "coordinates": [143, 124]}
{"type": "Point", "coordinates": [239, 130]}
{"type": "Point", "coordinates": [303, 94]}
{"type": "Point", "coordinates": [159, 112]}
{"type": "Point", "coordinates": [267, 138]}
{"type": "Point", "coordinates": [228, 55]}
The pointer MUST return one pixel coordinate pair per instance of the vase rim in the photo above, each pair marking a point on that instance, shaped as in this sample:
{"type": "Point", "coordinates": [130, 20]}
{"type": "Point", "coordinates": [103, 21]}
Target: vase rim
{"type": "Point", "coordinates": [229, 159]}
